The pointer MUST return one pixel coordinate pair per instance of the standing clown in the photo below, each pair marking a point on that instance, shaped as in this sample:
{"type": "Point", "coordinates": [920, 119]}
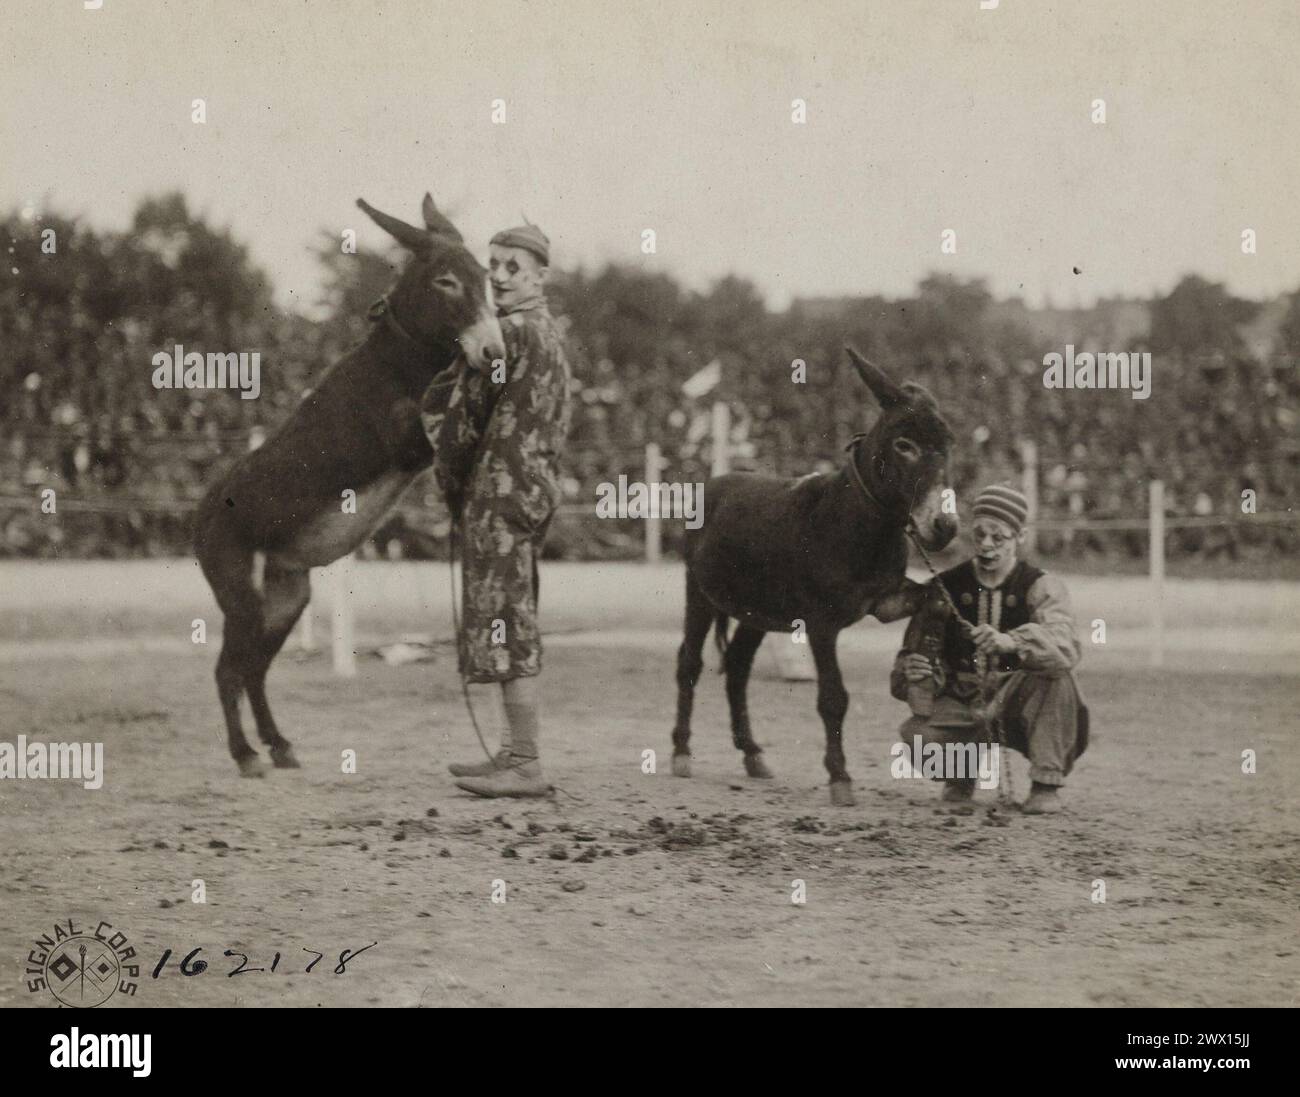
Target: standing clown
{"type": "Point", "coordinates": [498, 432]}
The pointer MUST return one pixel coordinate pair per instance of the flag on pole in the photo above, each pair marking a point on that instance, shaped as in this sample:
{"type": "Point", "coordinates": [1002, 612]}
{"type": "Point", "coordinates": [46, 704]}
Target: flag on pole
{"type": "Point", "coordinates": [703, 380]}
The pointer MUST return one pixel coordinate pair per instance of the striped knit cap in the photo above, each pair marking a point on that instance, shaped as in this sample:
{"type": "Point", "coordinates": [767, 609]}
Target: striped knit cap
{"type": "Point", "coordinates": [1003, 503]}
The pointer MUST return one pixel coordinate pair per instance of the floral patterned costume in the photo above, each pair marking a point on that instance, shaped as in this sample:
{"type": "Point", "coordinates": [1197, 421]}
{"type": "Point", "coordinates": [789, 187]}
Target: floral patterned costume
{"type": "Point", "coordinates": [497, 444]}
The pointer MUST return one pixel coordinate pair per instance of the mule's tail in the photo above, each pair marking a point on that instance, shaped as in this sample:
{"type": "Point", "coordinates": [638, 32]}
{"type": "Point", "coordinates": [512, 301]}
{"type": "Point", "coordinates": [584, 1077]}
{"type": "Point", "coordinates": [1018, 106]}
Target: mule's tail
{"type": "Point", "coordinates": [720, 638]}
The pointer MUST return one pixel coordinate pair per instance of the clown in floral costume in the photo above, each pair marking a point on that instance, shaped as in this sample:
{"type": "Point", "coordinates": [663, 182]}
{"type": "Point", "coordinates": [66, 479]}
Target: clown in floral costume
{"type": "Point", "coordinates": [498, 433]}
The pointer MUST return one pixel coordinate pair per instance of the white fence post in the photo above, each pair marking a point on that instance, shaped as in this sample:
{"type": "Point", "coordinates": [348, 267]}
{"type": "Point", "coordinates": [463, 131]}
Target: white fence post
{"type": "Point", "coordinates": [654, 523]}
{"type": "Point", "coordinates": [1157, 572]}
{"type": "Point", "coordinates": [721, 438]}
{"type": "Point", "coordinates": [341, 616]}
{"type": "Point", "coordinates": [306, 637]}
{"type": "Point", "coordinates": [1029, 485]}
{"type": "Point", "coordinates": [794, 661]}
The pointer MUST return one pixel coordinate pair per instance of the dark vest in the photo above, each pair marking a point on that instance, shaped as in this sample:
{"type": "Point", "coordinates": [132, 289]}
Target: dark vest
{"type": "Point", "coordinates": [1005, 608]}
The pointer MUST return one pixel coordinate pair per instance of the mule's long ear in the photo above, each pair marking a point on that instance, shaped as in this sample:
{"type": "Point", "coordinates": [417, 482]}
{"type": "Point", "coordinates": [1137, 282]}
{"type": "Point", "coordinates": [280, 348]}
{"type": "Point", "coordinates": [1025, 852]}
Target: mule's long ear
{"type": "Point", "coordinates": [406, 235]}
{"type": "Point", "coordinates": [436, 222]}
{"type": "Point", "coordinates": [877, 380]}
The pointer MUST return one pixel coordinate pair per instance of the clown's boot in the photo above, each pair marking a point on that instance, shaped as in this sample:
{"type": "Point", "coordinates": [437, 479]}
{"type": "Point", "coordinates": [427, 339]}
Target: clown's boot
{"type": "Point", "coordinates": [521, 776]}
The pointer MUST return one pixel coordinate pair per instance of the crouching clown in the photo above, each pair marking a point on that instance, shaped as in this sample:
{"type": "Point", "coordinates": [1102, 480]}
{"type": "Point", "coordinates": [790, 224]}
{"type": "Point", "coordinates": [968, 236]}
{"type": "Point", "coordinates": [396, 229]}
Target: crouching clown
{"type": "Point", "coordinates": [1014, 664]}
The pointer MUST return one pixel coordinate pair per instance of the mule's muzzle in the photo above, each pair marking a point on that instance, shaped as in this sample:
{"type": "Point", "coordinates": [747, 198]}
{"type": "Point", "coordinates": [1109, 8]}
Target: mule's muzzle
{"type": "Point", "coordinates": [482, 343]}
{"type": "Point", "coordinates": [938, 534]}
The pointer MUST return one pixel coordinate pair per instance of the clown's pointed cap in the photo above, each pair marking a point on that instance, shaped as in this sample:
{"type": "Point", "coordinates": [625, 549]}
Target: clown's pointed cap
{"type": "Point", "coordinates": [527, 236]}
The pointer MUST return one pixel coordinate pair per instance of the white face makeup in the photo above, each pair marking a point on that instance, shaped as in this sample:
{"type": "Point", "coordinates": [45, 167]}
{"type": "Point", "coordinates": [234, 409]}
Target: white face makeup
{"type": "Point", "coordinates": [996, 546]}
{"type": "Point", "coordinates": [516, 274]}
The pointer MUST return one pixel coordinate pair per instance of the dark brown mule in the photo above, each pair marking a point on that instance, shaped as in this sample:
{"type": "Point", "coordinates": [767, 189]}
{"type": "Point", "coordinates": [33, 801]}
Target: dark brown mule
{"type": "Point", "coordinates": [816, 554]}
{"type": "Point", "coordinates": [279, 510]}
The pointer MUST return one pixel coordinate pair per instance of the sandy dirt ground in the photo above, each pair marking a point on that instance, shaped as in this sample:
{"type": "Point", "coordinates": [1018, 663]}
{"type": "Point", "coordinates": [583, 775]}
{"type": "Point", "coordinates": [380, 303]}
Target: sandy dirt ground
{"type": "Point", "coordinates": [631, 888]}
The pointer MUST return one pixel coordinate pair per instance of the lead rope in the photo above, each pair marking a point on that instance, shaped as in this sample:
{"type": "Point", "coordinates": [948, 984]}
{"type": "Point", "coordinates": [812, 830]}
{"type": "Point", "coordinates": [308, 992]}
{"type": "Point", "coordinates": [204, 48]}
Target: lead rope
{"type": "Point", "coordinates": [455, 620]}
{"type": "Point", "coordinates": [985, 672]}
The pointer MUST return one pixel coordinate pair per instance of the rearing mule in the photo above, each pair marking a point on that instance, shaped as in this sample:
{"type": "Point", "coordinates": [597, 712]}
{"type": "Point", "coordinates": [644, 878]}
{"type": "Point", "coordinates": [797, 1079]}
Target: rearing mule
{"type": "Point", "coordinates": [824, 550]}
{"type": "Point", "coordinates": [278, 510]}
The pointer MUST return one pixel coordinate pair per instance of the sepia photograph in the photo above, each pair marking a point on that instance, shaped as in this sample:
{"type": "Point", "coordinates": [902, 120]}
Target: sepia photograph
{"type": "Point", "coordinates": [578, 504]}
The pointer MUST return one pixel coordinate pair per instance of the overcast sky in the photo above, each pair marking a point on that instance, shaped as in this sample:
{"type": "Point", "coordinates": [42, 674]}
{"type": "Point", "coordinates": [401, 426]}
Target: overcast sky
{"type": "Point", "coordinates": [922, 115]}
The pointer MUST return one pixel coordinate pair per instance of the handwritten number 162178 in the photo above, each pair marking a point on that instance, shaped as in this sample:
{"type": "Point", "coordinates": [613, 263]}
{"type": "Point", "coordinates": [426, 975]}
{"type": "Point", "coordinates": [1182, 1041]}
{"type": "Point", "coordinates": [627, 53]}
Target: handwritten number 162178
{"type": "Point", "coordinates": [190, 966]}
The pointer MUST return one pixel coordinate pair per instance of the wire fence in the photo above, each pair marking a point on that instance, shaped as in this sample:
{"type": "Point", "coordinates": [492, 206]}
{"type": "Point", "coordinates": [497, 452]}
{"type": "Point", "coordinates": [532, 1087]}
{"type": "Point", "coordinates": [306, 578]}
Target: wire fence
{"type": "Point", "coordinates": [127, 505]}
{"type": "Point", "coordinates": [422, 520]}
{"type": "Point", "coordinates": [646, 536]}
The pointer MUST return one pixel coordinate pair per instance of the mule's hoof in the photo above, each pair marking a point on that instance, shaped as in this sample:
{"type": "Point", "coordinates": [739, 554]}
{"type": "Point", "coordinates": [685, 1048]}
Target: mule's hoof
{"type": "Point", "coordinates": [756, 767]}
{"type": "Point", "coordinates": [284, 758]}
{"type": "Point", "coordinates": [251, 766]}
{"type": "Point", "coordinates": [842, 794]}
{"type": "Point", "coordinates": [681, 765]}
